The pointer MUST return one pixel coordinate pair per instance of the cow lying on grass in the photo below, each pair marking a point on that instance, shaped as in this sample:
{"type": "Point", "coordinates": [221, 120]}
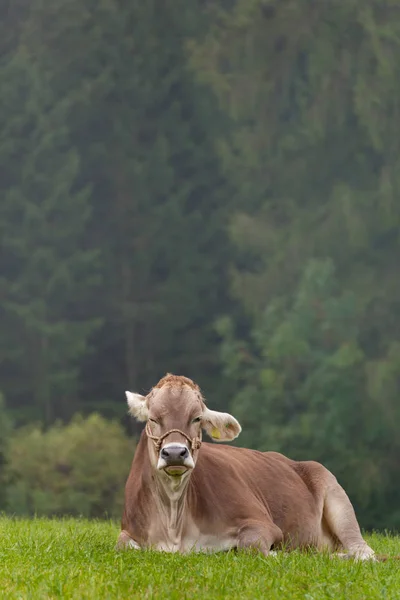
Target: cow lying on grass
{"type": "Point", "coordinates": [184, 495]}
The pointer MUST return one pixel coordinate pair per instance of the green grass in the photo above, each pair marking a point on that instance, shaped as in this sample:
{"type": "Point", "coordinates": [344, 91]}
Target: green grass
{"type": "Point", "coordinates": [76, 559]}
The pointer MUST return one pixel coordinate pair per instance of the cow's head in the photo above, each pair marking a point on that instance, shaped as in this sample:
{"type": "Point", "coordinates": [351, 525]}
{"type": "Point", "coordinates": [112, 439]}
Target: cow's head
{"type": "Point", "coordinates": [175, 414]}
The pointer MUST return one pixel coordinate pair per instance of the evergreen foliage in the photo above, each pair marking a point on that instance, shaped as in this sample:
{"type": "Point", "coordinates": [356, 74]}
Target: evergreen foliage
{"type": "Point", "coordinates": [312, 90]}
{"type": "Point", "coordinates": [47, 270]}
{"type": "Point", "coordinates": [210, 188]}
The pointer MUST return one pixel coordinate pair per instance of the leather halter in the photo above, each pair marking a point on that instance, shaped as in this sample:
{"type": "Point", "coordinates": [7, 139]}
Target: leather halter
{"type": "Point", "coordinates": [195, 442]}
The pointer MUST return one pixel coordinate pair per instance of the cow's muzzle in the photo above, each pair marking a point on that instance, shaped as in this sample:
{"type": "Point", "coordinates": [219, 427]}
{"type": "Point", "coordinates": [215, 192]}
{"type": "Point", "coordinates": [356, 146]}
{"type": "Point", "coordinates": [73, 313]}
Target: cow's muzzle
{"type": "Point", "coordinates": [175, 459]}
{"type": "Point", "coordinates": [174, 454]}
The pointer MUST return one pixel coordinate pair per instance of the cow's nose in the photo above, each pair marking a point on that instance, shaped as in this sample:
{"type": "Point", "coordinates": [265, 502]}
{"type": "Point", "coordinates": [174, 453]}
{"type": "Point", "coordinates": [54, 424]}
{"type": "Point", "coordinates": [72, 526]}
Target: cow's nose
{"type": "Point", "coordinates": [174, 455]}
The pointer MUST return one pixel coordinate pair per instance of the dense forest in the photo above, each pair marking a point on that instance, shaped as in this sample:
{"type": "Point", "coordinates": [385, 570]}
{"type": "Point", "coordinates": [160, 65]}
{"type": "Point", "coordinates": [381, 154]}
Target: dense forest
{"type": "Point", "coordinates": [208, 188]}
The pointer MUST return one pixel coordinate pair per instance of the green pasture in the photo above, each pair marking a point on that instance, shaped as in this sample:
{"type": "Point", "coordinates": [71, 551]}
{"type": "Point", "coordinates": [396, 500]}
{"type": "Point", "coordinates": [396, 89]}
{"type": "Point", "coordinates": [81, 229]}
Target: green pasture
{"type": "Point", "coordinates": [43, 559]}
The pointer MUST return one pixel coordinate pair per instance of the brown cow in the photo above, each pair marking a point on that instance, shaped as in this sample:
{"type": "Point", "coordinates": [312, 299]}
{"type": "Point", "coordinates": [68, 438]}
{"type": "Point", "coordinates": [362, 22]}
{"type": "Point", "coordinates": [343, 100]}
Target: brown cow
{"type": "Point", "coordinates": [184, 495]}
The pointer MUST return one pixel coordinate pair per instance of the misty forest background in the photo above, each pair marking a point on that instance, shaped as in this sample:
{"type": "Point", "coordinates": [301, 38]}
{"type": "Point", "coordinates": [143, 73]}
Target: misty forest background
{"type": "Point", "coordinates": [210, 188]}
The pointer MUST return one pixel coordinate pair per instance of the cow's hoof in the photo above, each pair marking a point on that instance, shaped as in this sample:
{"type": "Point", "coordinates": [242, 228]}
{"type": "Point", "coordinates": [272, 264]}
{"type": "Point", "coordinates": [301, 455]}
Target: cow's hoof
{"type": "Point", "coordinates": [125, 542]}
{"type": "Point", "coordinates": [358, 556]}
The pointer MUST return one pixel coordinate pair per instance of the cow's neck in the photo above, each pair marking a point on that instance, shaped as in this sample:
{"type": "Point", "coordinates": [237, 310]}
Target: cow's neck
{"type": "Point", "coordinates": [170, 498]}
{"type": "Point", "coordinates": [170, 494]}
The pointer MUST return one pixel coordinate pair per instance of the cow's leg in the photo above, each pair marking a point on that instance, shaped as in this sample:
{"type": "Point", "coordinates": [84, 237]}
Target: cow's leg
{"type": "Point", "coordinates": [260, 536]}
{"type": "Point", "coordinates": [340, 517]}
{"type": "Point", "coordinates": [125, 542]}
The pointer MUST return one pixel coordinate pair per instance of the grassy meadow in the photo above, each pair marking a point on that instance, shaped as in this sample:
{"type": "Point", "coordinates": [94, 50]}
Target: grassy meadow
{"type": "Point", "coordinates": [72, 558]}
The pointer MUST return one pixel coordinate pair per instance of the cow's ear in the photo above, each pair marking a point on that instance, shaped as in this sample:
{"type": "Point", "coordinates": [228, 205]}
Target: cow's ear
{"type": "Point", "coordinates": [137, 406]}
{"type": "Point", "coordinates": [221, 427]}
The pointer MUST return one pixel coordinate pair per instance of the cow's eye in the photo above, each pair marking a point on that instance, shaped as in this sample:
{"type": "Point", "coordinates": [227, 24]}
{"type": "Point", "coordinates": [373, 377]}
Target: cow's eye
{"type": "Point", "coordinates": [196, 420]}
{"type": "Point", "coordinates": [153, 421]}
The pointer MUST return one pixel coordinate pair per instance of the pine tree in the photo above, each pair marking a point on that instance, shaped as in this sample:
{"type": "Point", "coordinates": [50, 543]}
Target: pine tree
{"type": "Point", "coordinates": [47, 271]}
{"type": "Point", "coordinates": [145, 133]}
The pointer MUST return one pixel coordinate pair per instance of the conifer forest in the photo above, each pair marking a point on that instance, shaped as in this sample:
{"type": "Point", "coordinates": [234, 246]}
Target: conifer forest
{"type": "Point", "coordinates": [209, 188]}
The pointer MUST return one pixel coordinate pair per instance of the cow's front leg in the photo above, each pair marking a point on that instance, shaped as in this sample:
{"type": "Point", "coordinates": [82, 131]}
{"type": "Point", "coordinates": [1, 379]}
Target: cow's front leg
{"type": "Point", "coordinates": [125, 542]}
{"type": "Point", "coordinates": [260, 536]}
